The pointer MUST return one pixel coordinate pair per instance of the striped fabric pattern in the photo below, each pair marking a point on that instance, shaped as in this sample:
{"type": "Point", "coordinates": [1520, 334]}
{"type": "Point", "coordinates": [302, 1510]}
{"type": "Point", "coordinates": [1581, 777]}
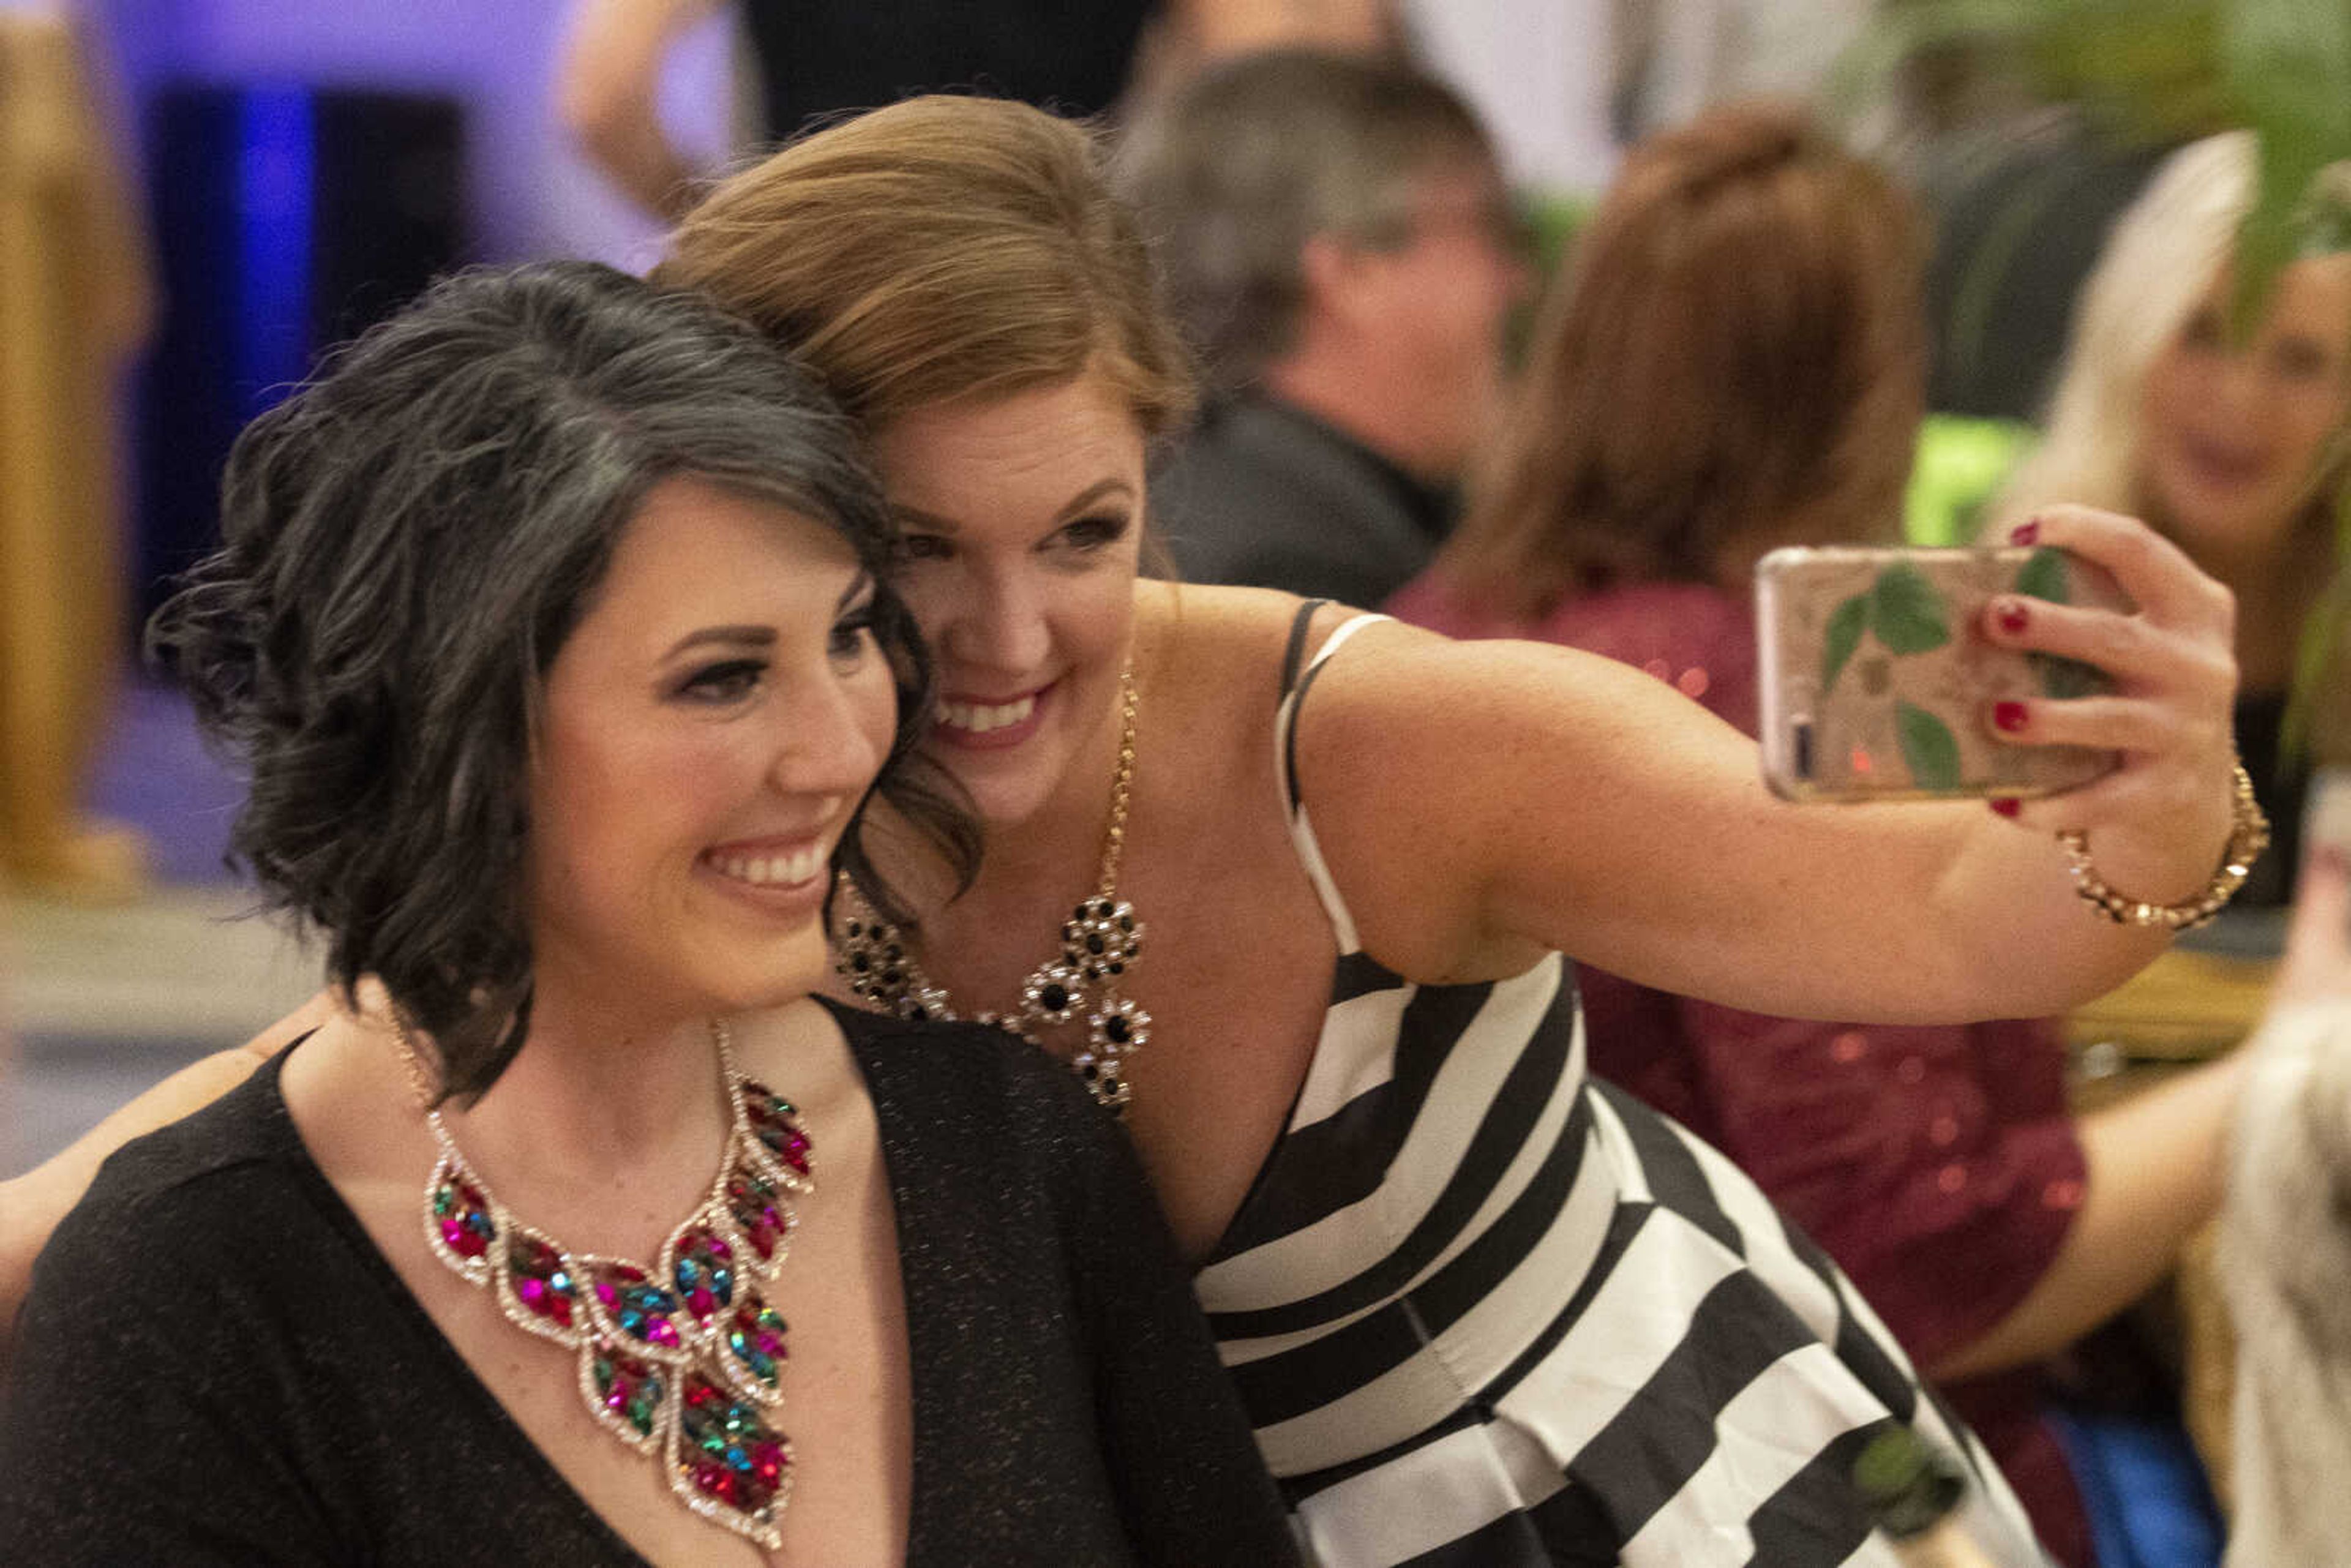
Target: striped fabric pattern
{"type": "Point", "coordinates": [1486, 1312]}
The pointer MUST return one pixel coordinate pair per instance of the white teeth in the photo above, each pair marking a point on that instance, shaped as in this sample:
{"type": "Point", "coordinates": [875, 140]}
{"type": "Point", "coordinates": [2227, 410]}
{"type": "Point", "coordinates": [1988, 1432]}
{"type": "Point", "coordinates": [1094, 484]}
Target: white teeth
{"type": "Point", "coordinates": [978, 719]}
{"type": "Point", "coordinates": [771, 870]}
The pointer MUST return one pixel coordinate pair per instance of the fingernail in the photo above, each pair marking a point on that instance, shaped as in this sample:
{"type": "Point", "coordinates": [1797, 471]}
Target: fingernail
{"type": "Point", "coordinates": [2007, 805]}
{"type": "Point", "coordinates": [2024, 533]}
{"type": "Point", "coordinates": [2008, 715]}
{"type": "Point", "coordinates": [2013, 616]}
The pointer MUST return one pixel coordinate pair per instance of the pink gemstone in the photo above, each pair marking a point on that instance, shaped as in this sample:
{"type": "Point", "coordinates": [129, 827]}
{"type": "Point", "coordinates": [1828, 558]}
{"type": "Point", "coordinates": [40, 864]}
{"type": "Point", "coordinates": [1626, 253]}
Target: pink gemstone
{"type": "Point", "coordinates": [717, 1246]}
{"type": "Point", "coordinates": [718, 1482]}
{"type": "Point", "coordinates": [605, 1293]}
{"type": "Point", "coordinates": [463, 1240]}
{"type": "Point", "coordinates": [768, 1463]}
{"type": "Point", "coordinates": [533, 1293]}
{"type": "Point", "coordinates": [770, 1345]}
{"type": "Point", "coordinates": [702, 1304]}
{"type": "Point", "coordinates": [659, 1331]}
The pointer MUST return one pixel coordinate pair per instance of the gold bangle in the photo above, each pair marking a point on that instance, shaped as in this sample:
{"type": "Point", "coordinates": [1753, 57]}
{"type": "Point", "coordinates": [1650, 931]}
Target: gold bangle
{"type": "Point", "coordinates": [2249, 835]}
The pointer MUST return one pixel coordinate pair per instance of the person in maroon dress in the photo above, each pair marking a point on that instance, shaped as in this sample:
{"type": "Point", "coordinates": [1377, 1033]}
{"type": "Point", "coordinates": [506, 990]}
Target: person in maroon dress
{"type": "Point", "coordinates": [1737, 363]}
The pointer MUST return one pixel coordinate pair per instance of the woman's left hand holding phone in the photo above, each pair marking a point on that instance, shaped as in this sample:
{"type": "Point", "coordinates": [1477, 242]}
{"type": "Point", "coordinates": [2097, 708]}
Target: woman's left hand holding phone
{"type": "Point", "coordinates": [2157, 824]}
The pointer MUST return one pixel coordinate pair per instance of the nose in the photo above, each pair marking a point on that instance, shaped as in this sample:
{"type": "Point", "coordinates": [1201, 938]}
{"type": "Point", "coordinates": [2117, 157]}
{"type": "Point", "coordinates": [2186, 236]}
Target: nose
{"type": "Point", "coordinates": [835, 735]}
{"type": "Point", "coordinates": [997, 623]}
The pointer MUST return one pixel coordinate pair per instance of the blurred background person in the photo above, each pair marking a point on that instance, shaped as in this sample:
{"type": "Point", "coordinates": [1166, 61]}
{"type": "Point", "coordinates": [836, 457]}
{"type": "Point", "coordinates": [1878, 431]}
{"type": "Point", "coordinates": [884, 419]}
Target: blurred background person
{"type": "Point", "coordinates": [2234, 447]}
{"type": "Point", "coordinates": [1341, 253]}
{"type": "Point", "coordinates": [809, 60]}
{"type": "Point", "coordinates": [1736, 364]}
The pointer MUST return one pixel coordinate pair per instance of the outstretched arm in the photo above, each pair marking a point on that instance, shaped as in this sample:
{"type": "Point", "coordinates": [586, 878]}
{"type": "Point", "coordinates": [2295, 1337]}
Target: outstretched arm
{"type": "Point", "coordinates": [608, 93]}
{"type": "Point", "coordinates": [1478, 800]}
{"type": "Point", "coordinates": [2157, 1161]}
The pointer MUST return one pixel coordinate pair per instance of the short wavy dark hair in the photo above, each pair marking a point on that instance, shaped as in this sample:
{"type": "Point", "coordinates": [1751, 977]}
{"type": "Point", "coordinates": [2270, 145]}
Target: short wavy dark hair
{"type": "Point", "coordinates": [407, 543]}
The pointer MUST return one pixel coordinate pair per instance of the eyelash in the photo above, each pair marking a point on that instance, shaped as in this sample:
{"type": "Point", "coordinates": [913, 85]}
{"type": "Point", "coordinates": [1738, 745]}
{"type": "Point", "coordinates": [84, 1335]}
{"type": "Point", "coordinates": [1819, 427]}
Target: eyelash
{"type": "Point", "coordinates": [852, 631]}
{"type": "Point", "coordinates": [1084, 536]}
{"type": "Point", "coordinates": [724, 682]}
{"type": "Point", "coordinates": [1096, 532]}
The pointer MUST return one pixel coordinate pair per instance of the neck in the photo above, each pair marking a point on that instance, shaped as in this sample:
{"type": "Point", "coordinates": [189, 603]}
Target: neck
{"type": "Point", "coordinates": [1357, 399]}
{"type": "Point", "coordinates": [597, 1088]}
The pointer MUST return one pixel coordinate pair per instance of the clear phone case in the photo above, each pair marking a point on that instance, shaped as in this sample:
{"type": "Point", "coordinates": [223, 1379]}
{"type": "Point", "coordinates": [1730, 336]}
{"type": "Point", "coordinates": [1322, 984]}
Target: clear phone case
{"type": "Point", "coordinates": [1876, 684]}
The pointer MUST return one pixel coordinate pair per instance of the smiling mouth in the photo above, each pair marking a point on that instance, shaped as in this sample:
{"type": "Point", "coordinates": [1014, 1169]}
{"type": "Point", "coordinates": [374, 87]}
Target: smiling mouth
{"type": "Point", "coordinates": [978, 719]}
{"type": "Point", "coordinates": [792, 868]}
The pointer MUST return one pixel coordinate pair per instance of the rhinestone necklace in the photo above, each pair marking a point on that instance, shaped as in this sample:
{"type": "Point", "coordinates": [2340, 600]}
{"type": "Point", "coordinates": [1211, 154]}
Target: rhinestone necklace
{"type": "Point", "coordinates": [682, 1362]}
{"type": "Point", "coordinates": [1100, 942]}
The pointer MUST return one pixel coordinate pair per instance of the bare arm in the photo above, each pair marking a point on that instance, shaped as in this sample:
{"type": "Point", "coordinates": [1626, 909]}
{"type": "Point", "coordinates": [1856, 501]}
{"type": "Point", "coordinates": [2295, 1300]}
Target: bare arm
{"type": "Point", "coordinates": [32, 1204]}
{"type": "Point", "coordinates": [2155, 1164]}
{"type": "Point", "coordinates": [2158, 1162]}
{"type": "Point", "coordinates": [608, 94]}
{"type": "Point", "coordinates": [1220, 27]}
{"type": "Point", "coordinates": [1476, 801]}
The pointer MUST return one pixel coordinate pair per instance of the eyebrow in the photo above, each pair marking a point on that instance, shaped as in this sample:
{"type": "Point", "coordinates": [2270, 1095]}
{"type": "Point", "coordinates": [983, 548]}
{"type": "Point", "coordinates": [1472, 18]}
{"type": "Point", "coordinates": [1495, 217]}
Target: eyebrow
{"type": "Point", "coordinates": [1074, 505]}
{"type": "Point", "coordinates": [760, 636]}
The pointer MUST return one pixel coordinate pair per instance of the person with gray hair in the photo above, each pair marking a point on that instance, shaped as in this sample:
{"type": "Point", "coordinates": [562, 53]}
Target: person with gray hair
{"type": "Point", "coordinates": [551, 625]}
{"type": "Point", "coordinates": [1338, 247]}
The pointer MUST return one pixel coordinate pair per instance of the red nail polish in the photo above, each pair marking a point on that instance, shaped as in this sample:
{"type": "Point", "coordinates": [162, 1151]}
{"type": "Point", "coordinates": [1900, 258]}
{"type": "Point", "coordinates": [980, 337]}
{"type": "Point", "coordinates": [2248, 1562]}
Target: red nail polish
{"type": "Point", "coordinates": [2007, 805]}
{"type": "Point", "coordinates": [2024, 533]}
{"type": "Point", "coordinates": [2014, 617]}
{"type": "Point", "coordinates": [2008, 715]}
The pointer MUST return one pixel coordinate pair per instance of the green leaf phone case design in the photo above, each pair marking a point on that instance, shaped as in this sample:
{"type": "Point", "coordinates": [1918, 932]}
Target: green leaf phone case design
{"type": "Point", "coordinates": [1876, 680]}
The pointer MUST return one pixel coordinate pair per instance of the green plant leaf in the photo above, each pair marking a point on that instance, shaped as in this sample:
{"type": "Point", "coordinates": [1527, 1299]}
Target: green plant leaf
{"type": "Point", "coordinates": [1906, 613]}
{"type": "Point", "coordinates": [2288, 65]}
{"type": "Point", "coordinates": [2042, 576]}
{"type": "Point", "coordinates": [1842, 637]}
{"type": "Point", "coordinates": [1928, 748]}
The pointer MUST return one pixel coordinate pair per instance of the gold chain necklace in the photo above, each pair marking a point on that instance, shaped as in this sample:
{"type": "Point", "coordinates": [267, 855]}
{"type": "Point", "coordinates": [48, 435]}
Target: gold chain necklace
{"type": "Point", "coordinates": [1100, 942]}
{"type": "Point", "coordinates": [682, 1362]}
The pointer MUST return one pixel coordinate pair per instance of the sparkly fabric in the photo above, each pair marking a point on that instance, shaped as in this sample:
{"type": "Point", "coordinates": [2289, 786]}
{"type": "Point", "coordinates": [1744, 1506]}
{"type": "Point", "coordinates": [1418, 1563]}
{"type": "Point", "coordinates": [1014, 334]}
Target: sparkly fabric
{"type": "Point", "coordinates": [217, 1366]}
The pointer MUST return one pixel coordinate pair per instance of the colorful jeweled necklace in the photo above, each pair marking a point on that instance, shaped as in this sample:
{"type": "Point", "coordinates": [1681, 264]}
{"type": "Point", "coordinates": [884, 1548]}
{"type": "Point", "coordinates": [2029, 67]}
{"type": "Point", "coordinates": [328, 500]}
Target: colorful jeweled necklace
{"type": "Point", "coordinates": [1100, 942]}
{"type": "Point", "coordinates": [682, 1362]}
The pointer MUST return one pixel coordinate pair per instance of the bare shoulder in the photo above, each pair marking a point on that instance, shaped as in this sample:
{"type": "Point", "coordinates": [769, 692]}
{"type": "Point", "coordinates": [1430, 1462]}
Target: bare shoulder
{"type": "Point", "coordinates": [1229, 643]}
{"type": "Point", "coordinates": [1438, 772]}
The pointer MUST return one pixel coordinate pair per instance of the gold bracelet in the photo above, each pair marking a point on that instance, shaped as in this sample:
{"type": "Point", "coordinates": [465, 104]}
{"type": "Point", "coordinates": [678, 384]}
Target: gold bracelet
{"type": "Point", "coordinates": [2249, 835]}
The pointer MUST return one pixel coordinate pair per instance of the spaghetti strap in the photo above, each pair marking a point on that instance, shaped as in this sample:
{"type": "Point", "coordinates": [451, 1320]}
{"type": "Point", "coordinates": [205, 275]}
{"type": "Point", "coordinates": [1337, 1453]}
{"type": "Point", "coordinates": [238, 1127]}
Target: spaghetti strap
{"type": "Point", "coordinates": [1296, 651]}
{"type": "Point", "coordinates": [1285, 748]}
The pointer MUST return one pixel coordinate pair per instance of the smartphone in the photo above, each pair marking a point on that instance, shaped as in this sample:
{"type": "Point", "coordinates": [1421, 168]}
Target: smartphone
{"type": "Point", "coordinates": [1876, 681]}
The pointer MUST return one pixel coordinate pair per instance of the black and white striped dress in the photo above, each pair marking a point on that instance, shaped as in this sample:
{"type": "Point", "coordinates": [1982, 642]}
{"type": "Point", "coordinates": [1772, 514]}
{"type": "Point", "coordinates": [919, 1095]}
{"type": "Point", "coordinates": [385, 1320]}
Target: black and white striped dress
{"type": "Point", "coordinates": [1485, 1312]}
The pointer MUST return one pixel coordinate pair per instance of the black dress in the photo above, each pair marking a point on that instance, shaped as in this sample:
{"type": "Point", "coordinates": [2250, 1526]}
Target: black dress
{"type": "Point", "coordinates": [819, 57]}
{"type": "Point", "coordinates": [217, 1366]}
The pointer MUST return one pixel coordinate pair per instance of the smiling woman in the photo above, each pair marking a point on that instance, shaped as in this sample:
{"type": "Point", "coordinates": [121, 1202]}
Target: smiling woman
{"type": "Point", "coordinates": [550, 626]}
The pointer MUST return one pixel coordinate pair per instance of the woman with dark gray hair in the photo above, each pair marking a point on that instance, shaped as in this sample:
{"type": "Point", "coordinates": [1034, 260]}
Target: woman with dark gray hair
{"type": "Point", "coordinates": [550, 626]}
